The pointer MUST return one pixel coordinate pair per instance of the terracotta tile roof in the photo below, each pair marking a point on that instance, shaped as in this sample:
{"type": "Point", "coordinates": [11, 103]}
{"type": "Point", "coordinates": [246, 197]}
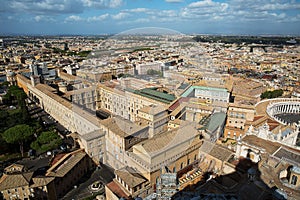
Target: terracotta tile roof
{"type": "Point", "coordinates": [41, 181]}
{"type": "Point", "coordinates": [216, 151]}
{"type": "Point", "coordinates": [15, 180]}
{"type": "Point", "coordinates": [121, 127]}
{"type": "Point", "coordinates": [64, 165]}
{"type": "Point", "coordinates": [117, 190]}
{"type": "Point", "coordinates": [170, 139]}
{"type": "Point", "coordinates": [131, 177]}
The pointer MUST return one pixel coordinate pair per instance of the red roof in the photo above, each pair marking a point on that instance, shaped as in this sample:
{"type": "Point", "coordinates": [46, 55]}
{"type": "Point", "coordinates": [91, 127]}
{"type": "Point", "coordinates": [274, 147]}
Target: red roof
{"type": "Point", "coordinates": [178, 102]}
{"type": "Point", "coordinates": [117, 190]}
{"type": "Point", "coordinates": [56, 158]}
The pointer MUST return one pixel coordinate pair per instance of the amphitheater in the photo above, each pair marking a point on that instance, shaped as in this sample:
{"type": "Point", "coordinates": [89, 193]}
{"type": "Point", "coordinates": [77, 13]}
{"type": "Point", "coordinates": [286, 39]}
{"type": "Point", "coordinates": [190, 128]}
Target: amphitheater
{"type": "Point", "coordinates": [284, 110]}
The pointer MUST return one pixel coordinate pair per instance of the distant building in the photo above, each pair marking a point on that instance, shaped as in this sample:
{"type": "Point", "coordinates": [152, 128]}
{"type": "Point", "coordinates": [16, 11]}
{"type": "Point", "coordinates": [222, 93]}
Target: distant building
{"type": "Point", "coordinates": [209, 93]}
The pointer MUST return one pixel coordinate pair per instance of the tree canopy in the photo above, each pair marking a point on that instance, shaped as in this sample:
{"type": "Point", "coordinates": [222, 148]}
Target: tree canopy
{"type": "Point", "coordinates": [46, 141]}
{"type": "Point", "coordinates": [16, 95]}
{"type": "Point", "coordinates": [18, 134]}
{"type": "Point", "coordinates": [271, 94]}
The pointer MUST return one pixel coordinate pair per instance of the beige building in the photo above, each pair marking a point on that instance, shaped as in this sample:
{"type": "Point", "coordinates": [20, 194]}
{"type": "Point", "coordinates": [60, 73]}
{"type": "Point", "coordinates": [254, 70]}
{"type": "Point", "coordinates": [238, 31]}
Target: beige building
{"type": "Point", "coordinates": [127, 184]}
{"type": "Point", "coordinates": [18, 183]}
{"type": "Point", "coordinates": [237, 116]}
{"type": "Point", "coordinates": [120, 136]}
{"type": "Point", "coordinates": [68, 170]}
{"type": "Point", "coordinates": [126, 103]}
{"type": "Point", "coordinates": [69, 115]}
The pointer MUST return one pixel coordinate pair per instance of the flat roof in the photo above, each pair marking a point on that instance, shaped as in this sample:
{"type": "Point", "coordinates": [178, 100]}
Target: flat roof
{"type": "Point", "coordinates": [152, 93]}
{"type": "Point", "coordinates": [193, 87]}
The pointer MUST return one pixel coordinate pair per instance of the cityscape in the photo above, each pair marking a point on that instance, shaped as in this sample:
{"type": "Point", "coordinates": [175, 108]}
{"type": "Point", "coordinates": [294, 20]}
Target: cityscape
{"type": "Point", "coordinates": [150, 100]}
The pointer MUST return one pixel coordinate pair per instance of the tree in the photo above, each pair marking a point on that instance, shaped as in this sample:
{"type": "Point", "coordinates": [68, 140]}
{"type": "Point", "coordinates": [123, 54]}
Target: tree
{"type": "Point", "coordinates": [46, 141]}
{"type": "Point", "coordinates": [16, 94]}
{"type": "Point", "coordinates": [271, 94]}
{"type": "Point", "coordinates": [18, 134]}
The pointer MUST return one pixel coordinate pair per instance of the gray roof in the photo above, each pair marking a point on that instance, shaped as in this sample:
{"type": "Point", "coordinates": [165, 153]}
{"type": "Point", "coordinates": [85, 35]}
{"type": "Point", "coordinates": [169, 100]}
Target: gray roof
{"type": "Point", "coordinates": [213, 122]}
{"type": "Point", "coordinates": [92, 135]}
{"type": "Point", "coordinates": [216, 151]}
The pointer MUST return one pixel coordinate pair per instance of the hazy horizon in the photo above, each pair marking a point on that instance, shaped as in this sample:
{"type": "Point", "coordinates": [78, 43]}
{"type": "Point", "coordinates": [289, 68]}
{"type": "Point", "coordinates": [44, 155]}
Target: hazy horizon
{"type": "Point", "coordinates": [100, 17]}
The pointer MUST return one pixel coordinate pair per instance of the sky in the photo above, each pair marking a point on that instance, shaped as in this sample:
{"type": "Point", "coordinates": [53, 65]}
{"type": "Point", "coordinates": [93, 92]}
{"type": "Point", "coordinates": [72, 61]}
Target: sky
{"type": "Point", "coordinates": [90, 17]}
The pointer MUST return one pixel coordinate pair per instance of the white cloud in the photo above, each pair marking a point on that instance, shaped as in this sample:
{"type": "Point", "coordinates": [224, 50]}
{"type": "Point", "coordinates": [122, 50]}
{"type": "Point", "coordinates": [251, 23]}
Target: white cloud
{"type": "Point", "coordinates": [73, 18]}
{"type": "Point", "coordinates": [168, 13]}
{"type": "Point", "coordinates": [137, 10]}
{"type": "Point", "coordinates": [102, 3]}
{"type": "Point", "coordinates": [40, 18]}
{"type": "Point", "coordinates": [205, 10]}
{"type": "Point", "coordinates": [98, 18]}
{"type": "Point", "coordinates": [52, 7]}
{"type": "Point", "coordinates": [120, 16]}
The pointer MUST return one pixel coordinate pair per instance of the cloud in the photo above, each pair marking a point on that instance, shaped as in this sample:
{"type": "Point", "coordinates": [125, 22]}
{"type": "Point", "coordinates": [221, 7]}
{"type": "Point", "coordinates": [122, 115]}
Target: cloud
{"type": "Point", "coordinates": [102, 3]}
{"type": "Point", "coordinates": [41, 18]}
{"type": "Point", "coordinates": [137, 10]}
{"type": "Point", "coordinates": [204, 9]}
{"type": "Point", "coordinates": [120, 16]}
{"type": "Point", "coordinates": [53, 7]}
{"type": "Point", "coordinates": [98, 18]}
{"type": "Point", "coordinates": [73, 18]}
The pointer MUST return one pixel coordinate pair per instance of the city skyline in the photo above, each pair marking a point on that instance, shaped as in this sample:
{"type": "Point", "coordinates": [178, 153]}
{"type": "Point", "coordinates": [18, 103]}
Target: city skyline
{"type": "Point", "coordinates": [51, 17]}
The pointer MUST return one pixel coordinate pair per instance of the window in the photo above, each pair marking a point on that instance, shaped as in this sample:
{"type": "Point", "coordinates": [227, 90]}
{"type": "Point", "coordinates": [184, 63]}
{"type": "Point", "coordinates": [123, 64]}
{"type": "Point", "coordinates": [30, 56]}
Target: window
{"type": "Point", "coordinates": [195, 157]}
{"type": "Point", "coordinates": [181, 165]}
{"type": "Point", "coordinates": [188, 161]}
{"type": "Point", "coordinates": [174, 169]}
{"type": "Point", "coordinates": [294, 180]}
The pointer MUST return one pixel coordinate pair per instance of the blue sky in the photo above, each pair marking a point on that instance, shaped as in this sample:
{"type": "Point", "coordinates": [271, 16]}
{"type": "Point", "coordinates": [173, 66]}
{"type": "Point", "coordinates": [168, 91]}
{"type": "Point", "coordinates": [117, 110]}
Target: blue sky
{"type": "Point", "coordinates": [115, 16]}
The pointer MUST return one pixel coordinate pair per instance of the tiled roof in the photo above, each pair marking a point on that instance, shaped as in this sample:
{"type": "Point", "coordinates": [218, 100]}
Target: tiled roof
{"type": "Point", "coordinates": [64, 165]}
{"type": "Point", "coordinates": [131, 177]}
{"type": "Point", "coordinates": [92, 135]}
{"type": "Point", "coordinates": [170, 139]}
{"type": "Point", "coordinates": [117, 190]}
{"type": "Point", "coordinates": [216, 151]}
{"type": "Point", "coordinates": [15, 180]}
{"type": "Point", "coordinates": [121, 127]}
{"type": "Point", "coordinates": [41, 181]}
{"type": "Point", "coordinates": [292, 156]}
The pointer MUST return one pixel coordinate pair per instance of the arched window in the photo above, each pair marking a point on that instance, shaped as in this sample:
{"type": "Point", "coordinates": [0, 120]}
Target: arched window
{"type": "Point", "coordinates": [181, 165]}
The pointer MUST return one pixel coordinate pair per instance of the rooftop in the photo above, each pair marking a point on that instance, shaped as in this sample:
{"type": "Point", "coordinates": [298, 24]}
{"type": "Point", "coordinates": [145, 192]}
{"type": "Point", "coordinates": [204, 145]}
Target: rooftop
{"type": "Point", "coordinates": [216, 151]}
{"type": "Point", "coordinates": [131, 177]}
{"type": "Point", "coordinates": [152, 93]}
{"type": "Point", "coordinates": [64, 165]}
{"type": "Point", "coordinates": [92, 135]}
{"type": "Point", "coordinates": [170, 139]}
{"type": "Point", "coordinates": [121, 127]}
{"type": "Point", "coordinates": [117, 190]}
{"type": "Point", "coordinates": [193, 87]}
{"type": "Point", "coordinates": [15, 180]}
